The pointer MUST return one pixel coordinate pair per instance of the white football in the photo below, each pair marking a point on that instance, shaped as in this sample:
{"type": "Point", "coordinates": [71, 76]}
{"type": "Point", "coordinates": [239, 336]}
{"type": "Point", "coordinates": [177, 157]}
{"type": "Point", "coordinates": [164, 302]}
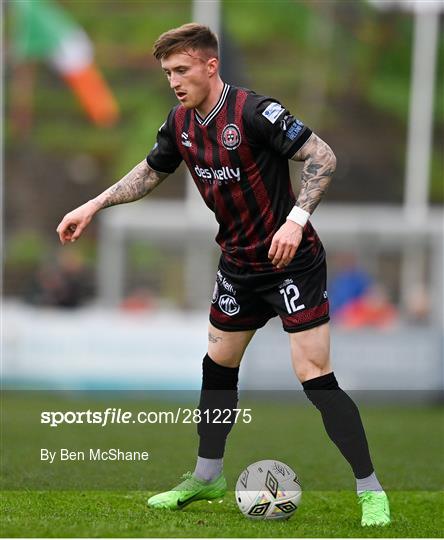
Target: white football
{"type": "Point", "coordinates": [268, 489]}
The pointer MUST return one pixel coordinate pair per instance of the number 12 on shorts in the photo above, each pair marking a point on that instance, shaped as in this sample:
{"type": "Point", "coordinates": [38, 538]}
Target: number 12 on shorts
{"type": "Point", "coordinates": [291, 294]}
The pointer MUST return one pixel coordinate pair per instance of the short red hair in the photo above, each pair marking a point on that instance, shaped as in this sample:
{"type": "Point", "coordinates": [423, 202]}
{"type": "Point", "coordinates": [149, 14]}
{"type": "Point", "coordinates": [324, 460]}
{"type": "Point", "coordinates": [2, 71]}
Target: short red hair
{"type": "Point", "coordinates": [188, 36]}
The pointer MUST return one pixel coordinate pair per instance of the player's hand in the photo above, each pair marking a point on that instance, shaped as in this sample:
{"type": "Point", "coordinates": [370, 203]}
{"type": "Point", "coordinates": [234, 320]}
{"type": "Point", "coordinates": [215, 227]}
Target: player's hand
{"type": "Point", "coordinates": [74, 223]}
{"type": "Point", "coordinates": [285, 243]}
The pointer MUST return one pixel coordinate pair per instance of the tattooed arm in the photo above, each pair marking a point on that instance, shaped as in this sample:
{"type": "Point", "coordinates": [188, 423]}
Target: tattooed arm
{"type": "Point", "coordinates": [136, 184]}
{"type": "Point", "coordinates": [133, 186]}
{"type": "Point", "coordinates": [319, 166]}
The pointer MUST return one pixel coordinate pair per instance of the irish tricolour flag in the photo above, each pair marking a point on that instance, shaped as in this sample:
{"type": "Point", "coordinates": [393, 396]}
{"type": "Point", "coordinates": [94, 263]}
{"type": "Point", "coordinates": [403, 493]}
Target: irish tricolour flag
{"type": "Point", "coordinates": [42, 30]}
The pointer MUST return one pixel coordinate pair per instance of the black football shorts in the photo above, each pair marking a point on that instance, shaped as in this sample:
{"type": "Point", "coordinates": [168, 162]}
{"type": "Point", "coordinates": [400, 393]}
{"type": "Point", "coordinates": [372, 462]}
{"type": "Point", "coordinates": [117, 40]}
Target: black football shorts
{"type": "Point", "coordinates": [248, 301]}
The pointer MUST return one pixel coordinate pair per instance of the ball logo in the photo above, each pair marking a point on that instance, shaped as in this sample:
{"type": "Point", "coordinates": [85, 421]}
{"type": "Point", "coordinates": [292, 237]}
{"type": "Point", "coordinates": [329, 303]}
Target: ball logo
{"type": "Point", "coordinates": [231, 137]}
{"type": "Point", "coordinates": [281, 469]}
{"type": "Point", "coordinates": [229, 305]}
{"type": "Point", "coordinates": [244, 478]}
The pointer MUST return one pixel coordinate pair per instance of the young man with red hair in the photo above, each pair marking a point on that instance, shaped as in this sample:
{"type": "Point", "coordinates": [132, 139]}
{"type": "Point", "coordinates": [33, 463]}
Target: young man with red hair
{"type": "Point", "coordinates": [236, 145]}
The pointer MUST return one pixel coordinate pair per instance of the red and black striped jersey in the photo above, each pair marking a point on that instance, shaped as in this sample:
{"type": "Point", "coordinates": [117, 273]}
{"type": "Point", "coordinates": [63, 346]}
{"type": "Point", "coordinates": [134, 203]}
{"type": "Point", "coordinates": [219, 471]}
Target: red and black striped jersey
{"type": "Point", "coordinates": [238, 157]}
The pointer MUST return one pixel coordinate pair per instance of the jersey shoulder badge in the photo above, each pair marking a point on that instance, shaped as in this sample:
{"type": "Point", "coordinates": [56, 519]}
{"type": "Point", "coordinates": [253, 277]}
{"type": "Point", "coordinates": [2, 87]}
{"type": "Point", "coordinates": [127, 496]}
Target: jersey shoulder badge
{"type": "Point", "coordinates": [272, 112]}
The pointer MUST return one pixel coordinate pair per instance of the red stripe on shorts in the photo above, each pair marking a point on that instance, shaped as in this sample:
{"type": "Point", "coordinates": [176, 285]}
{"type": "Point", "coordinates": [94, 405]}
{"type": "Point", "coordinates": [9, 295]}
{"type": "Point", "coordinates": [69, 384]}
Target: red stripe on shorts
{"type": "Point", "coordinates": [307, 315]}
{"type": "Point", "coordinates": [221, 318]}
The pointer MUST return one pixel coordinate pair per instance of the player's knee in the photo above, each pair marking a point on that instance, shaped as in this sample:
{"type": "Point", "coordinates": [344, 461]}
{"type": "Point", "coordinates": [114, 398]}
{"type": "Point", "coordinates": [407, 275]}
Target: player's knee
{"type": "Point", "coordinates": [310, 370]}
{"type": "Point", "coordinates": [310, 353]}
{"type": "Point", "coordinates": [310, 363]}
{"type": "Point", "coordinates": [224, 358]}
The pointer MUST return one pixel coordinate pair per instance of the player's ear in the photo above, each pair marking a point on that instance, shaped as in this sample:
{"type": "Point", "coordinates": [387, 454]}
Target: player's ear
{"type": "Point", "coordinates": [212, 66]}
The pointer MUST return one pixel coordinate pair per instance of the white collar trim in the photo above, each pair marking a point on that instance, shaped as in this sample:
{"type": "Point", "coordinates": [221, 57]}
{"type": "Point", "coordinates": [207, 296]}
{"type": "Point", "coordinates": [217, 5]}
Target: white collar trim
{"type": "Point", "coordinates": [205, 121]}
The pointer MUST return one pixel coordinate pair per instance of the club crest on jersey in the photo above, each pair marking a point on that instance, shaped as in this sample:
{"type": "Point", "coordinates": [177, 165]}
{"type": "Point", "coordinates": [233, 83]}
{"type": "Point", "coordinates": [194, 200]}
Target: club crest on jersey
{"type": "Point", "coordinates": [231, 137]}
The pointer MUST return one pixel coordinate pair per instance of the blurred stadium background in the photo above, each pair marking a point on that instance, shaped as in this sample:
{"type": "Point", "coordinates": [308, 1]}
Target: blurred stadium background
{"type": "Point", "coordinates": [126, 306]}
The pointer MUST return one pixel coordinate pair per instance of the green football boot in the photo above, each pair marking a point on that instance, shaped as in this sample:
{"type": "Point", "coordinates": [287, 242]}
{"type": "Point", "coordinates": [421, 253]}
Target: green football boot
{"type": "Point", "coordinates": [188, 491]}
{"type": "Point", "coordinates": [375, 508]}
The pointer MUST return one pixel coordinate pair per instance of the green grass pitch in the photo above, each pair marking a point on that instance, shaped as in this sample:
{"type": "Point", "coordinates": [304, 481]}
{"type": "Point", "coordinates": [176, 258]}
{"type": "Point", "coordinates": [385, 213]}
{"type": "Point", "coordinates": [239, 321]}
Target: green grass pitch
{"type": "Point", "coordinates": [124, 514]}
{"type": "Point", "coordinates": [109, 500]}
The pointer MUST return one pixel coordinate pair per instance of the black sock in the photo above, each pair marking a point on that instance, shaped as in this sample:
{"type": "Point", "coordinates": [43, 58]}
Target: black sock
{"type": "Point", "coordinates": [342, 421]}
{"type": "Point", "coordinates": [218, 398]}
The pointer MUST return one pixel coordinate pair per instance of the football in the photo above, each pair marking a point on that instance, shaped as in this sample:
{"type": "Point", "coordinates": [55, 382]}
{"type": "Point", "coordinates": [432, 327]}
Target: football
{"type": "Point", "coordinates": [268, 489]}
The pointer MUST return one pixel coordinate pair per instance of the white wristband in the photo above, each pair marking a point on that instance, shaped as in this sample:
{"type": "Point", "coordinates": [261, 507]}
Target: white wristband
{"type": "Point", "coordinates": [299, 216]}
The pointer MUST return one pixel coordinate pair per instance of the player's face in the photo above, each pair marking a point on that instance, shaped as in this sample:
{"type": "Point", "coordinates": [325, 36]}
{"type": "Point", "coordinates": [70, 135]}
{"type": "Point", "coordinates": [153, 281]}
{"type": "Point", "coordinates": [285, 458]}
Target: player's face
{"type": "Point", "coordinates": [189, 75]}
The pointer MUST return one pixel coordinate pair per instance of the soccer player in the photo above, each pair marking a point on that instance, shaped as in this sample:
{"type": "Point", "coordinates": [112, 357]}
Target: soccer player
{"type": "Point", "coordinates": [236, 145]}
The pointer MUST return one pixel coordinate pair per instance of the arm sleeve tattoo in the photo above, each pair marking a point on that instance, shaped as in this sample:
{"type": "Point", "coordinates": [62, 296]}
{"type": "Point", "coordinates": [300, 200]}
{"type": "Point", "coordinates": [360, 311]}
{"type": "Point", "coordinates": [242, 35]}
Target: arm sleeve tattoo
{"type": "Point", "coordinates": [319, 166]}
{"type": "Point", "coordinates": [133, 186]}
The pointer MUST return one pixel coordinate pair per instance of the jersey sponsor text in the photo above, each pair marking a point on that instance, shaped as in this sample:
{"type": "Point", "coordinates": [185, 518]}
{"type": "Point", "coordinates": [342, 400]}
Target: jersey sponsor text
{"type": "Point", "coordinates": [224, 173]}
